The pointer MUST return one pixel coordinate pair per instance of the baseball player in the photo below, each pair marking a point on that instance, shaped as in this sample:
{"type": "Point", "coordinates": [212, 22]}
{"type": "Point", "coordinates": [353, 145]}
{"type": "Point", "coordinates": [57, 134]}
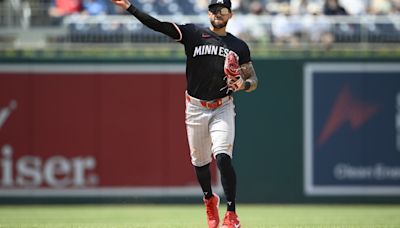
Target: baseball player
{"type": "Point", "coordinates": [218, 64]}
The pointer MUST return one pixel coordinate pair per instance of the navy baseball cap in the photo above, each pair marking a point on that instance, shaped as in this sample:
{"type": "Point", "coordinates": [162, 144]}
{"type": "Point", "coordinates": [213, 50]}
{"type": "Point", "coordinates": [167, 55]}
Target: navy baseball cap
{"type": "Point", "coordinates": [226, 3]}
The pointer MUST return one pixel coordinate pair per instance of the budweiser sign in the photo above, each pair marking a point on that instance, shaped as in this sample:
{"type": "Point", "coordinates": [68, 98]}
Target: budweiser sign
{"type": "Point", "coordinates": [68, 130]}
{"type": "Point", "coordinates": [56, 171]}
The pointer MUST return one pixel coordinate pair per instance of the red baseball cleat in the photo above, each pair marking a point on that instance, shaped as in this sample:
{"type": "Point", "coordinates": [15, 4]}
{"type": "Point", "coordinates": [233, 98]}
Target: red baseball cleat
{"type": "Point", "coordinates": [231, 220]}
{"type": "Point", "coordinates": [212, 205]}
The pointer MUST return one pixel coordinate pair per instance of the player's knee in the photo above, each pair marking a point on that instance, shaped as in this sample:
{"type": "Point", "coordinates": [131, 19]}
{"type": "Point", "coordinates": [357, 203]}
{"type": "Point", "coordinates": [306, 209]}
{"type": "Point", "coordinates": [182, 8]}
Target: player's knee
{"type": "Point", "coordinates": [224, 162]}
{"type": "Point", "coordinates": [200, 162]}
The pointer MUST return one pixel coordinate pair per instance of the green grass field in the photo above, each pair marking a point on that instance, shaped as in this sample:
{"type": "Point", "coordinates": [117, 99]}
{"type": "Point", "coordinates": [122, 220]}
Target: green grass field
{"type": "Point", "coordinates": [193, 216]}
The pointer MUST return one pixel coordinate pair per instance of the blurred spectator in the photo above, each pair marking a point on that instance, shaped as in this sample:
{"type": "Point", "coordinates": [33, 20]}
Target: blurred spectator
{"type": "Point", "coordinates": [236, 5]}
{"type": "Point", "coordinates": [258, 32]}
{"type": "Point", "coordinates": [15, 13]}
{"type": "Point", "coordinates": [248, 27]}
{"type": "Point", "coordinates": [285, 30]}
{"type": "Point", "coordinates": [94, 7]}
{"type": "Point", "coordinates": [303, 7]}
{"type": "Point", "coordinates": [396, 6]}
{"type": "Point", "coordinates": [273, 7]}
{"type": "Point", "coordinates": [111, 7]}
{"type": "Point", "coordinates": [355, 7]}
{"type": "Point", "coordinates": [332, 7]}
{"type": "Point", "coordinates": [381, 7]}
{"type": "Point", "coordinates": [237, 26]}
{"type": "Point", "coordinates": [60, 8]}
{"type": "Point", "coordinates": [245, 5]}
{"type": "Point", "coordinates": [256, 8]}
{"type": "Point", "coordinates": [201, 6]}
{"type": "Point", "coordinates": [317, 28]}
{"type": "Point", "coordinates": [299, 7]}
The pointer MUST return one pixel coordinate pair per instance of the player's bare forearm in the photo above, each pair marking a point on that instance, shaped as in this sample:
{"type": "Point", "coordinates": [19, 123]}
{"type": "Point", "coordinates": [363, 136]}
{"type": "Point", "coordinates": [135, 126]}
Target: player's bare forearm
{"type": "Point", "coordinates": [124, 4]}
{"type": "Point", "coordinates": [249, 75]}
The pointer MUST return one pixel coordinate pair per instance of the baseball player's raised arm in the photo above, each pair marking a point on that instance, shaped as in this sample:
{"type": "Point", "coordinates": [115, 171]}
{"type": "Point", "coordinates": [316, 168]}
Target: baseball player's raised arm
{"type": "Point", "coordinates": [250, 77]}
{"type": "Point", "coordinates": [167, 28]}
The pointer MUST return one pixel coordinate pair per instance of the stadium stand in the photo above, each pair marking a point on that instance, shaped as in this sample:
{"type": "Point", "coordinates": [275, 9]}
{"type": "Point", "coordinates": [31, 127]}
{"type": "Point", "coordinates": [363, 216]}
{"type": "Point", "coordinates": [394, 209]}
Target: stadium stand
{"type": "Point", "coordinates": [255, 21]}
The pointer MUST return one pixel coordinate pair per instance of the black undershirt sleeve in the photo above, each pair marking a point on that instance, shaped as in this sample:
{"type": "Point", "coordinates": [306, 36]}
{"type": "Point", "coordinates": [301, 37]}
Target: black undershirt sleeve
{"type": "Point", "coordinates": [166, 28]}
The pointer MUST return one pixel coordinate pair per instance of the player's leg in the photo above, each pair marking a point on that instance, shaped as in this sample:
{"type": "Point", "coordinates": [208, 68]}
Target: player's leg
{"type": "Point", "coordinates": [222, 131]}
{"type": "Point", "coordinates": [198, 134]}
{"type": "Point", "coordinates": [200, 145]}
{"type": "Point", "coordinates": [204, 178]}
{"type": "Point", "coordinates": [200, 150]}
{"type": "Point", "coordinates": [228, 179]}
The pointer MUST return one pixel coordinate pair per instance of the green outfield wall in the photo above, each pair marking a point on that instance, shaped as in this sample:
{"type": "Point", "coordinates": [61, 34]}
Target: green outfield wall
{"type": "Point", "coordinates": [269, 147]}
{"type": "Point", "coordinates": [269, 153]}
{"type": "Point", "coordinates": [268, 150]}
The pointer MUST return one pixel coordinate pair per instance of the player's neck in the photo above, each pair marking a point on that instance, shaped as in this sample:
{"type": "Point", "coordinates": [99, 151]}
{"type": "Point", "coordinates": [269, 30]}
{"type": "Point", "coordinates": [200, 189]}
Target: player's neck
{"type": "Point", "coordinates": [218, 31]}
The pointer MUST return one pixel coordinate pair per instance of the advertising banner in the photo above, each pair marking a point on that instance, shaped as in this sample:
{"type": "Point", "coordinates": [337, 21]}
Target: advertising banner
{"type": "Point", "coordinates": [94, 130]}
{"type": "Point", "coordinates": [352, 129]}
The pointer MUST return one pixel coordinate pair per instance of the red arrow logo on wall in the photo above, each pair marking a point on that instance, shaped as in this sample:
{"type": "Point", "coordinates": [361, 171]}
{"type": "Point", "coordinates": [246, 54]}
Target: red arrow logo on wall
{"type": "Point", "coordinates": [347, 108]}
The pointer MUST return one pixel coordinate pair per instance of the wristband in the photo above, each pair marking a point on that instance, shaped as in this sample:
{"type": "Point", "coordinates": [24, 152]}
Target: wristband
{"type": "Point", "coordinates": [247, 85]}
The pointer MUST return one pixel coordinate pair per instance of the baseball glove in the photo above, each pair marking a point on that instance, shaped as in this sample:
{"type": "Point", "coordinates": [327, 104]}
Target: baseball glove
{"type": "Point", "coordinates": [234, 80]}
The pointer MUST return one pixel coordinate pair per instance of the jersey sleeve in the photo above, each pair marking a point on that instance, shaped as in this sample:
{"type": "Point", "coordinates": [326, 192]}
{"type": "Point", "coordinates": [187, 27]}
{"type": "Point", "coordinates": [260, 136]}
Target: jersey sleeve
{"type": "Point", "coordinates": [244, 55]}
{"type": "Point", "coordinates": [167, 28]}
{"type": "Point", "coordinates": [186, 32]}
